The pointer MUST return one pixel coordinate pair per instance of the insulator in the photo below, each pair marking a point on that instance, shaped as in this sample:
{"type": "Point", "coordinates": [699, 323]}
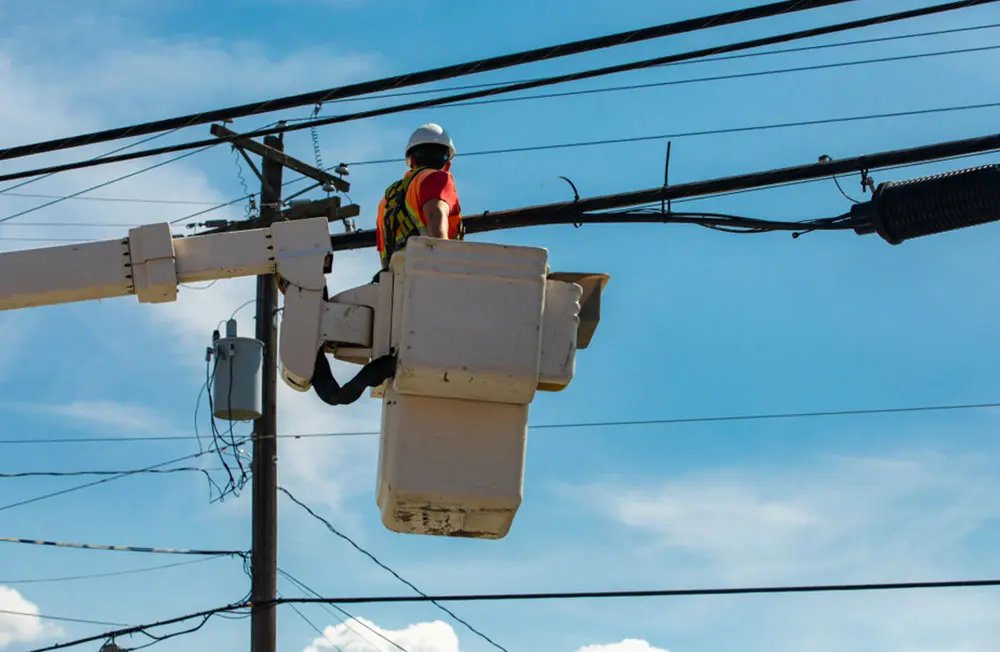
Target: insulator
{"type": "Point", "coordinates": [903, 210]}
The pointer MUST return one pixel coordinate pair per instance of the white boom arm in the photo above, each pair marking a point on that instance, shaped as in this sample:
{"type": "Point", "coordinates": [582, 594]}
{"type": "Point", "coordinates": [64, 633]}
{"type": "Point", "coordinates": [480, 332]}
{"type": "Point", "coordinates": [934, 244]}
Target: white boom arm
{"type": "Point", "coordinates": [150, 264]}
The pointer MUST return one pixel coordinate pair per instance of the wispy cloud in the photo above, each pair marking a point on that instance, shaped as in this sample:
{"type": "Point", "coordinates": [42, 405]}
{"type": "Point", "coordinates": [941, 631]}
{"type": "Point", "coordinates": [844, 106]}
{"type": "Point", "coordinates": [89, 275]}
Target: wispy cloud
{"type": "Point", "coordinates": [915, 516]}
{"type": "Point", "coordinates": [122, 418]}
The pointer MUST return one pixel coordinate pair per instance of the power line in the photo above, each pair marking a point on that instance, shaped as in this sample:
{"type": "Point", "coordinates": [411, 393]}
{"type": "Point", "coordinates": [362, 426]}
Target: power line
{"type": "Point", "coordinates": [432, 75]}
{"type": "Point", "coordinates": [562, 426]}
{"type": "Point", "coordinates": [314, 627]}
{"type": "Point", "coordinates": [731, 57]}
{"type": "Point", "coordinates": [158, 551]}
{"type": "Point", "coordinates": [655, 593]}
{"type": "Point", "coordinates": [635, 139]}
{"type": "Point", "coordinates": [729, 77]}
{"type": "Point", "coordinates": [141, 629]}
{"type": "Point", "coordinates": [73, 474]}
{"type": "Point", "coordinates": [104, 184]}
{"type": "Point", "coordinates": [125, 474]}
{"type": "Point", "coordinates": [389, 570]}
{"type": "Point", "coordinates": [714, 78]}
{"type": "Point", "coordinates": [546, 81]}
{"type": "Point", "coordinates": [329, 607]}
{"type": "Point", "coordinates": [129, 200]}
{"type": "Point", "coordinates": [133, 571]}
{"type": "Point", "coordinates": [60, 618]}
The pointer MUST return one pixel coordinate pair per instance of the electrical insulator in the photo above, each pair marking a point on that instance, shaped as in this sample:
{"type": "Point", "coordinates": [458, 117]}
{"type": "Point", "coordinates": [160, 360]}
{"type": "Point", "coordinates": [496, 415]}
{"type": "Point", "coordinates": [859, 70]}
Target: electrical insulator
{"type": "Point", "coordinates": [903, 210]}
{"type": "Point", "coordinates": [110, 647]}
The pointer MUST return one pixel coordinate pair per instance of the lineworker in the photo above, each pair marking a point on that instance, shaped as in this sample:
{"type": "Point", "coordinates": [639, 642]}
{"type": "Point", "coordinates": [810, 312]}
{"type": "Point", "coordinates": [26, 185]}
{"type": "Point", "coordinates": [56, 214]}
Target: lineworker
{"type": "Point", "coordinates": [424, 202]}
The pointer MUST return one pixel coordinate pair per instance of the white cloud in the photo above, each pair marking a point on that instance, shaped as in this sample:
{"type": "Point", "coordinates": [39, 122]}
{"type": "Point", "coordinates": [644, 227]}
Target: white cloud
{"type": "Point", "coordinates": [911, 517]}
{"type": "Point", "coordinates": [120, 417]}
{"type": "Point", "coordinates": [627, 645]}
{"type": "Point", "coordinates": [360, 635]}
{"type": "Point", "coordinates": [16, 628]}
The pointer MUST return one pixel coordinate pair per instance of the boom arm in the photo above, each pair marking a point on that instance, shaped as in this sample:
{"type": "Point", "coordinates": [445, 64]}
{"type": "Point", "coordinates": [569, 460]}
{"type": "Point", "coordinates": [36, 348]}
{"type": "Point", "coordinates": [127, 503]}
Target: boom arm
{"type": "Point", "coordinates": [150, 264]}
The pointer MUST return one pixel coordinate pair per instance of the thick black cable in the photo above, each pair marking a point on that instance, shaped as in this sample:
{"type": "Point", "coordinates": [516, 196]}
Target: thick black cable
{"type": "Point", "coordinates": [616, 141]}
{"type": "Point", "coordinates": [470, 86]}
{"type": "Point", "coordinates": [388, 569]}
{"type": "Point", "coordinates": [538, 83]}
{"type": "Point", "coordinates": [575, 211]}
{"type": "Point", "coordinates": [427, 76]}
{"type": "Point", "coordinates": [141, 629]}
{"type": "Point", "coordinates": [727, 77]}
{"type": "Point", "coordinates": [655, 593]}
{"type": "Point", "coordinates": [745, 55]}
{"type": "Point", "coordinates": [558, 426]}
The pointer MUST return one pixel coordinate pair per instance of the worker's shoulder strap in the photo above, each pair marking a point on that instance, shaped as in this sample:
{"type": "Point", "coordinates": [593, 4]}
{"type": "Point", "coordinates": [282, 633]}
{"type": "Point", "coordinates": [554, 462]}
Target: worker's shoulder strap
{"type": "Point", "coordinates": [398, 222]}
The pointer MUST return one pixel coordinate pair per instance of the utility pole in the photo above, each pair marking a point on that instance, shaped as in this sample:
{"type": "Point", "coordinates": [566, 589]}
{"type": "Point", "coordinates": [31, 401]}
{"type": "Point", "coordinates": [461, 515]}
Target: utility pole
{"type": "Point", "coordinates": [264, 553]}
{"type": "Point", "coordinates": [264, 556]}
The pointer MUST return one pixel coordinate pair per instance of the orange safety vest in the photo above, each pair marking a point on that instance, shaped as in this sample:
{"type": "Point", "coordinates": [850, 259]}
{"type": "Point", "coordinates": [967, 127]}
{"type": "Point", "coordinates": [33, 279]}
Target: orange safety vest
{"type": "Point", "coordinates": [401, 216]}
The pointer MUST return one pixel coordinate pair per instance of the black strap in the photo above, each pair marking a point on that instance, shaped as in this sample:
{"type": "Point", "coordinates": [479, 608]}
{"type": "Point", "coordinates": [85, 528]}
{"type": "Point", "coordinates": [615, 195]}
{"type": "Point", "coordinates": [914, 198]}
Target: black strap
{"type": "Point", "coordinates": [331, 392]}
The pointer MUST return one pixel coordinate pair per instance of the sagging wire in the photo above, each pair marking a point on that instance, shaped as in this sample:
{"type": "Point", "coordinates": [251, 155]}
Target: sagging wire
{"type": "Point", "coordinates": [251, 210]}
{"type": "Point", "coordinates": [728, 223]}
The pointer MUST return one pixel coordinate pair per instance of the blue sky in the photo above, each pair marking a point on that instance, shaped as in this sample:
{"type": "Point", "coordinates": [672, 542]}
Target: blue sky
{"type": "Point", "coordinates": [695, 323]}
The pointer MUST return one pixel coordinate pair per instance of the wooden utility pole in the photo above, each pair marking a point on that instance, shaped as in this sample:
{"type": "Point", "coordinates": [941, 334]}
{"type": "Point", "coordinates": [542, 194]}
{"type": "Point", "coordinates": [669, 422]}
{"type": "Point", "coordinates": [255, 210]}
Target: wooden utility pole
{"type": "Point", "coordinates": [264, 557]}
{"type": "Point", "coordinates": [264, 553]}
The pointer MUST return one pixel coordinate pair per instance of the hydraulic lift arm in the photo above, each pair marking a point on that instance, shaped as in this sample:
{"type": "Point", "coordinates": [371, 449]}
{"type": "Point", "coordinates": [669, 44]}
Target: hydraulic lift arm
{"type": "Point", "coordinates": [150, 264]}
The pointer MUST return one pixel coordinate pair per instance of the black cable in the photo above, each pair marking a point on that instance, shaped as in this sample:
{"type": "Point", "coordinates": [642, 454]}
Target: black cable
{"type": "Point", "coordinates": [141, 629]}
{"type": "Point", "coordinates": [70, 474]}
{"type": "Point", "coordinates": [103, 184]}
{"type": "Point", "coordinates": [139, 549]}
{"type": "Point", "coordinates": [727, 77]}
{"type": "Point", "coordinates": [432, 75]}
{"type": "Point", "coordinates": [101, 481]}
{"type": "Point", "coordinates": [745, 55]}
{"type": "Point", "coordinates": [386, 568]}
{"type": "Point", "coordinates": [302, 586]}
{"type": "Point", "coordinates": [538, 83]}
{"type": "Point", "coordinates": [636, 139]}
{"type": "Point", "coordinates": [314, 627]}
{"type": "Point", "coordinates": [558, 426]}
{"type": "Point", "coordinates": [134, 571]}
{"type": "Point", "coordinates": [656, 593]}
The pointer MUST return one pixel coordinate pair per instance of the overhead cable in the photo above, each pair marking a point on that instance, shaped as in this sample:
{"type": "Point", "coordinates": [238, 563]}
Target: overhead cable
{"type": "Point", "coordinates": [93, 546]}
{"type": "Point", "coordinates": [112, 478]}
{"type": "Point", "coordinates": [585, 210]}
{"type": "Point", "coordinates": [561, 426]}
{"type": "Point", "coordinates": [65, 619]}
{"type": "Point", "coordinates": [343, 612]}
{"type": "Point", "coordinates": [651, 137]}
{"type": "Point", "coordinates": [142, 629]}
{"type": "Point", "coordinates": [94, 576]}
{"type": "Point", "coordinates": [654, 593]}
{"type": "Point", "coordinates": [388, 569]}
{"type": "Point", "coordinates": [546, 81]}
{"type": "Point", "coordinates": [715, 59]}
{"type": "Point", "coordinates": [608, 89]}
{"type": "Point", "coordinates": [427, 76]}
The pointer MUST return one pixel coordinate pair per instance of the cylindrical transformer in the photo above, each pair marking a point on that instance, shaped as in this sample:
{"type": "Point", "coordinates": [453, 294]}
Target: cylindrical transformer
{"type": "Point", "coordinates": [237, 379]}
{"type": "Point", "coordinates": [902, 210]}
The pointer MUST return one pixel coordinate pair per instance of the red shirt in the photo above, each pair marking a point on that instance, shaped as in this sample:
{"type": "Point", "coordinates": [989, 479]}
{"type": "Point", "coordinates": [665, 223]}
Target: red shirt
{"type": "Point", "coordinates": [439, 184]}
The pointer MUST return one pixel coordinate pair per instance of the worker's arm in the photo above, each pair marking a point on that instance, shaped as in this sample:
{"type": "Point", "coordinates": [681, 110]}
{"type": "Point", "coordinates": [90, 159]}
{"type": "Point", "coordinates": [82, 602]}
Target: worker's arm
{"type": "Point", "coordinates": [437, 211]}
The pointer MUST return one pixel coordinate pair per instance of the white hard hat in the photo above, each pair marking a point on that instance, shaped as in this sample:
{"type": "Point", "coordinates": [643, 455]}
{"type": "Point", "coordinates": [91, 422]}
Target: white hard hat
{"type": "Point", "coordinates": [431, 134]}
